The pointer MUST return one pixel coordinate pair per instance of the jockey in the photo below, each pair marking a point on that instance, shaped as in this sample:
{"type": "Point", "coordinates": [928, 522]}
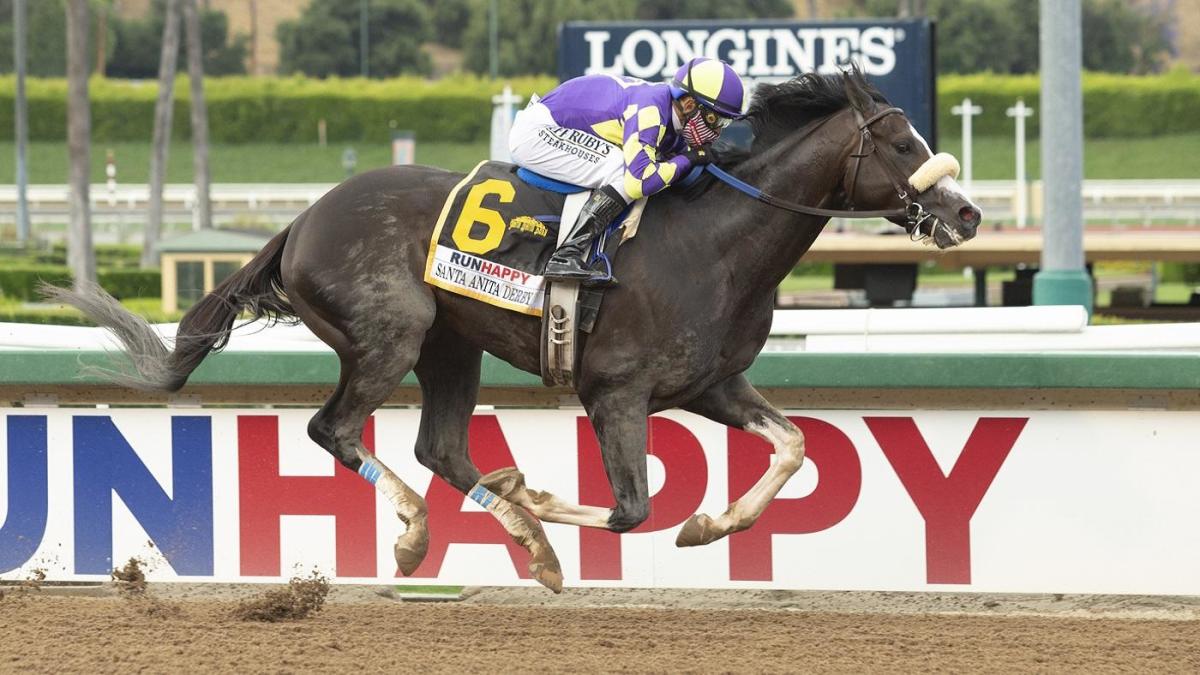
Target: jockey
{"type": "Point", "coordinates": [626, 139]}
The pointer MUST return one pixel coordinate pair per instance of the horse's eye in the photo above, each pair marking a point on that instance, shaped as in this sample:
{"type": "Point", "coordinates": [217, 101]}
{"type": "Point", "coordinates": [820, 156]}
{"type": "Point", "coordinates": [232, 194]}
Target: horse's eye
{"type": "Point", "coordinates": [903, 147]}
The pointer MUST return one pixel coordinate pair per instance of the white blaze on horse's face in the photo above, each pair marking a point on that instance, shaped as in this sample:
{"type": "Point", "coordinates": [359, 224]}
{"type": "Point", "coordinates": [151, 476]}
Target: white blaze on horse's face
{"type": "Point", "coordinates": [958, 216]}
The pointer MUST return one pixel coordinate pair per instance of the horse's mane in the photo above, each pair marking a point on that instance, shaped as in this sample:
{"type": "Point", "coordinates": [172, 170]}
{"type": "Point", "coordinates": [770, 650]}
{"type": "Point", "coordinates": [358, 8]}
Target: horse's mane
{"type": "Point", "coordinates": [777, 110]}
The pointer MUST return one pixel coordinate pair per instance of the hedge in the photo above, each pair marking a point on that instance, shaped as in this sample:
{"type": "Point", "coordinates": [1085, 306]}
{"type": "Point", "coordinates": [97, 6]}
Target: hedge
{"type": "Point", "coordinates": [20, 283]}
{"type": "Point", "coordinates": [280, 110]}
{"type": "Point", "coordinates": [1187, 273]}
{"type": "Point", "coordinates": [286, 110]}
{"type": "Point", "coordinates": [1113, 105]}
{"type": "Point", "coordinates": [124, 256]}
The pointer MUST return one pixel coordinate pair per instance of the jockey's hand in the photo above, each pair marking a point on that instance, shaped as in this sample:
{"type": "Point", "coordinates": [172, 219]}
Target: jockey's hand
{"type": "Point", "coordinates": [698, 156]}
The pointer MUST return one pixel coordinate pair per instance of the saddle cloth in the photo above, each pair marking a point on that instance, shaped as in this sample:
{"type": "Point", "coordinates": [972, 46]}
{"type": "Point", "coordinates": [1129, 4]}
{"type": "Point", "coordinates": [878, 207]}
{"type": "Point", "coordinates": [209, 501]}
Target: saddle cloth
{"type": "Point", "coordinates": [494, 237]}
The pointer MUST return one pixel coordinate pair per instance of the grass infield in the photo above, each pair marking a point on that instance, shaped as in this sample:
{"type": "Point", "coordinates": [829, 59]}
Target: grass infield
{"type": "Point", "coordinates": [1175, 156]}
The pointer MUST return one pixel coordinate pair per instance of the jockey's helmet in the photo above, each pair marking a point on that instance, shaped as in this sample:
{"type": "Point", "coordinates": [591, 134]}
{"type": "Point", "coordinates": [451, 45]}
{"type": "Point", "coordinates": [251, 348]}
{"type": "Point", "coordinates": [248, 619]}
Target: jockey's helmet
{"type": "Point", "coordinates": [712, 83]}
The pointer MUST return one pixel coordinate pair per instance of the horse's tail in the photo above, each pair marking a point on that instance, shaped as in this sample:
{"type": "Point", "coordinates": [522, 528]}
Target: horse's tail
{"type": "Point", "coordinates": [205, 328]}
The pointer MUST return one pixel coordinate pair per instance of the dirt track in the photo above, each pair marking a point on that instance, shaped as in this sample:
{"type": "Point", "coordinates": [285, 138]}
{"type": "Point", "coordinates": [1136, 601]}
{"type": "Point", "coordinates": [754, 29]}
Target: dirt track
{"type": "Point", "coordinates": [363, 631]}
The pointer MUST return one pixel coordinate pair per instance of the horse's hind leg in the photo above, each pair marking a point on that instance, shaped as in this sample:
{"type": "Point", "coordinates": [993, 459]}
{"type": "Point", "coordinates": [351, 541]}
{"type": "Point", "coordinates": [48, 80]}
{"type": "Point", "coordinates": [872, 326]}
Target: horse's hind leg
{"type": "Point", "coordinates": [620, 422]}
{"type": "Point", "coordinates": [448, 371]}
{"type": "Point", "coordinates": [734, 402]}
{"type": "Point", "coordinates": [373, 363]}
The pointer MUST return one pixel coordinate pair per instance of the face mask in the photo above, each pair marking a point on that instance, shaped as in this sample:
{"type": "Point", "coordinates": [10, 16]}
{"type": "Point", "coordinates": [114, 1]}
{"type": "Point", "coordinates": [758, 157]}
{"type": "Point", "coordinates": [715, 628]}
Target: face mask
{"type": "Point", "coordinates": [697, 133]}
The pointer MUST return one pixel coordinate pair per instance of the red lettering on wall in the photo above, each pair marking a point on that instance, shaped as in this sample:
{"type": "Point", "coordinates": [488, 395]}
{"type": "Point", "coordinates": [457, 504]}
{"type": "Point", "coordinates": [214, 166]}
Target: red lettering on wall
{"type": "Point", "coordinates": [449, 524]}
{"type": "Point", "coordinates": [680, 496]}
{"type": "Point", "coordinates": [838, 486]}
{"type": "Point", "coordinates": [947, 503]}
{"type": "Point", "coordinates": [265, 496]}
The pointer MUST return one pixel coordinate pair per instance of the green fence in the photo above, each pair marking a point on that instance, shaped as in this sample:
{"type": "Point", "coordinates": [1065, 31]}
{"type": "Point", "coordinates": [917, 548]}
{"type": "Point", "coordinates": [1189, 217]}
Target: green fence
{"type": "Point", "coordinates": [1135, 371]}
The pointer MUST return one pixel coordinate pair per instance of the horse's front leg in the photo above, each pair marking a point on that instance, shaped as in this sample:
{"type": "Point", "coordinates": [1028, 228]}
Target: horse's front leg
{"type": "Point", "coordinates": [735, 403]}
{"type": "Point", "coordinates": [620, 423]}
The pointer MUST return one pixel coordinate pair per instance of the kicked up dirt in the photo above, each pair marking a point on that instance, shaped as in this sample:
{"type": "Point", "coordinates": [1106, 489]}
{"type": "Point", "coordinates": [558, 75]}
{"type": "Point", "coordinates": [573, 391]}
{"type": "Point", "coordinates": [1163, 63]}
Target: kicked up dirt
{"type": "Point", "coordinates": [302, 597]}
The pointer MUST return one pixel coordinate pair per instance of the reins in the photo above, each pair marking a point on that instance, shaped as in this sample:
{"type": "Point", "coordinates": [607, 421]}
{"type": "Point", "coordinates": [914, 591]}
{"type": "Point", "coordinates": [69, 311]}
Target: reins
{"type": "Point", "coordinates": [912, 213]}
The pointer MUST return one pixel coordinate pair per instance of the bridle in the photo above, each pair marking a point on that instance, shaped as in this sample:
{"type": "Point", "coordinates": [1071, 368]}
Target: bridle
{"type": "Point", "coordinates": [913, 214]}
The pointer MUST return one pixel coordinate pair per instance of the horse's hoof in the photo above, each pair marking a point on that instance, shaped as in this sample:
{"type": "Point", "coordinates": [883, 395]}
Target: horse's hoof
{"type": "Point", "coordinates": [411, 548]}
{"type": "Point", "coordinates": [504, 482]}
{"type": "Point", "coordinates": [697, 531]}
{"type": "Point", "coordinates": [548, 574]}
{"type": "Point", "coordinates": [408, 560]}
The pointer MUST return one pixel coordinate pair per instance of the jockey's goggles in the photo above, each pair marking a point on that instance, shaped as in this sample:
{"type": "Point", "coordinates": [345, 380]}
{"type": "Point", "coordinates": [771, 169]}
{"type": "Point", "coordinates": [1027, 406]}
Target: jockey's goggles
{"type": "Point", "coordinates": [715, 120]}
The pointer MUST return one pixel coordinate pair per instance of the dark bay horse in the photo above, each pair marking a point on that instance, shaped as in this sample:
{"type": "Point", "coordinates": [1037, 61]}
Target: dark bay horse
{"type": "Point", "coordinates": [693, 310]}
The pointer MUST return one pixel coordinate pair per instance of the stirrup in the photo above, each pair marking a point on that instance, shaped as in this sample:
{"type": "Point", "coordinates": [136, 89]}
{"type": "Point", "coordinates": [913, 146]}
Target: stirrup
{"type": "Point", "coordinates": [571, 274]}
{"type": "Point", "coordinates": [572, 271]}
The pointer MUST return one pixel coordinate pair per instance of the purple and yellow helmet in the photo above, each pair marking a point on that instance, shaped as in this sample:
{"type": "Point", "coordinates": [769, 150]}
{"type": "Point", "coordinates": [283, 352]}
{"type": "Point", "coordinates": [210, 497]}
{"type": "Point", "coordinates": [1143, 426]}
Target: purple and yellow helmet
{"type": "Point", "coordinates": [712, 83]}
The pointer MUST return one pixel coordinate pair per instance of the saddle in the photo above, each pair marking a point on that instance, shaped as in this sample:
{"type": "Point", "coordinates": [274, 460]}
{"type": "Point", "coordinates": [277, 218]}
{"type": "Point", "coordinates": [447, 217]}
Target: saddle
{"type": "Point", "coordinates": [496, 232]}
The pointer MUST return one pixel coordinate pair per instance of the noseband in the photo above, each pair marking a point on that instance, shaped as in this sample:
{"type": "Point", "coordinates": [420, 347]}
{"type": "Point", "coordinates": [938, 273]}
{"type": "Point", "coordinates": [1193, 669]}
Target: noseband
{"type": "Point", "coordinates": [913, 213]}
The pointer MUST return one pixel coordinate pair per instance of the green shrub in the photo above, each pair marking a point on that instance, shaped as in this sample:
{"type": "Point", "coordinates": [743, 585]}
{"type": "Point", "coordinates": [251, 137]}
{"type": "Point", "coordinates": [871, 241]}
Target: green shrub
{"type": "Point", "coordinates": [107, 256]}
{"type": "Point", "coordinates": [131, 283]}
{"type": "Point", "coordinates": [813, 269]}
{"type": "Point", "coordinates": [20, 283]}
{"type": "Point", "coordinates": [287, 109]}
{"type": "Point", "coordinates": [1186, 273]}
{"type": "Point", "coordinates": [1113, 105]}
{"type": "Point", "coordinates": [147, 308]}
{"type": "Point", "coordinates": [49, 317]}
{"type": "Point", "coordinates": [281, 110]}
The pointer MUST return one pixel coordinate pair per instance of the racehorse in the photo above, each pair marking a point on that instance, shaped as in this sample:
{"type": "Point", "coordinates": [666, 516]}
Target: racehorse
{"type": "Point", "coordinates": [693, 309]}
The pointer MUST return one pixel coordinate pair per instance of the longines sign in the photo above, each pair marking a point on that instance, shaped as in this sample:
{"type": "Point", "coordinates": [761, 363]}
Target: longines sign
{"type": "Point", "coordinates": [897, 55]}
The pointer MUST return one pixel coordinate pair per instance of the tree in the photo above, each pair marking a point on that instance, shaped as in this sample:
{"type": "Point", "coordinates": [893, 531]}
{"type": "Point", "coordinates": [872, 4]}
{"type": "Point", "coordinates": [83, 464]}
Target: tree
{"type": "Point", "coordinates": [714, 9]}
{"type": "Point", "coordinates": [163, 108]}
{"type": "Point", "coordinates": [130, 48]}
{"type": "Point", "coordinates": [1117, 37]}
{"type": "Point", "coordinates": [528, 29]}
{"type": "Point", "coordinates": [528, 32]}
{"type": "Point", "coordinates": [80, 256]}
{"type": "Point", "coordinates": [1120, 38]}
{"type": "Point", "coordinates": [324, 40]}
{"type": "Point", "coordinates": [47, 53]}
{"type": "Point", "coordinates": [450, 18]}
{"type": "Point", "coordinates": [138, 42]}
{"type": "Point", "coordinates": [195, 51]}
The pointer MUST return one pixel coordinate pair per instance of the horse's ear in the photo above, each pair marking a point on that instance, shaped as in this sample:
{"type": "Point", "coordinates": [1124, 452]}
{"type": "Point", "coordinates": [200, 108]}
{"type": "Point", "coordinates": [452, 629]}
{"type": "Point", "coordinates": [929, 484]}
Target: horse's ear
{"type": "Point", "coordinates": [856, 89]}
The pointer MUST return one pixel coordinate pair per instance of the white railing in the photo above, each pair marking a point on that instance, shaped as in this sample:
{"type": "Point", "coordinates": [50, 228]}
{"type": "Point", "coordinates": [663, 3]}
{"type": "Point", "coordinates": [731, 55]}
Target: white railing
{"type": "Point", "coordinates": [1140, 201]}
{"type": "Point", "coordinates": [940, 330]}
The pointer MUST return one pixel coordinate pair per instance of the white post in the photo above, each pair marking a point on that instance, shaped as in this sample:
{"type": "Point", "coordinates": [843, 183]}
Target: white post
{"type": "Point", "coordinates": [967, 111]}
{"type": "Point", "coordinates": [110, 173]}
{"type": "Point", "coordinates": [502, 117]}
{"type": "Point", "coordinates": [1020, 111]}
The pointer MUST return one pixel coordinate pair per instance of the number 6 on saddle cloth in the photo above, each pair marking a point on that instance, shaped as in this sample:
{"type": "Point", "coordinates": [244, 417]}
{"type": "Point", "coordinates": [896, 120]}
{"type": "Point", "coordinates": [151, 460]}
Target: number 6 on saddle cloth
{"type": "Point", "coordinates": [492, 241]}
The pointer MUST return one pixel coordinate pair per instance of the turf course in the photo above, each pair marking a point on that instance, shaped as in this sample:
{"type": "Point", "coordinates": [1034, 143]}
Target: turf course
{"type": "Point", "coordinates": [1161, 157]}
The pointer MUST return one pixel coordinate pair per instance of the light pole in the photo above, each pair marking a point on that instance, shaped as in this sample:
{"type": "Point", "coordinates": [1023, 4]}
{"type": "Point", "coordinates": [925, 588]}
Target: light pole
{"type": "Point", "coordinates": [364, 68]}
{"type": "Point", "coordinates": [966, 111]}
{"type": "Point", "coordinates": [1020, 111]}
{"type": "Point", "coordinates": [493, 40]}
{"type": "Point", "coordinates": [21, 121]}
{"type": "Point", "coordinates": [1063, 280]}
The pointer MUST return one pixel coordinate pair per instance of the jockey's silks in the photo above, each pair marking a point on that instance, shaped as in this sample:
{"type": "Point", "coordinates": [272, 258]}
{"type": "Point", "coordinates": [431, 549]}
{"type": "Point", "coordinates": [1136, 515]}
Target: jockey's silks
{"type": "Point", "coordinates": [632, 114]}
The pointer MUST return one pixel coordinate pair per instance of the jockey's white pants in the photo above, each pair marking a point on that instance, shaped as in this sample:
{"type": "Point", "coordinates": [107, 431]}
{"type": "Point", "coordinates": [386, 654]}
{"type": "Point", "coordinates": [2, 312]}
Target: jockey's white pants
{"type": "Point", "coordinates": [569, 155]}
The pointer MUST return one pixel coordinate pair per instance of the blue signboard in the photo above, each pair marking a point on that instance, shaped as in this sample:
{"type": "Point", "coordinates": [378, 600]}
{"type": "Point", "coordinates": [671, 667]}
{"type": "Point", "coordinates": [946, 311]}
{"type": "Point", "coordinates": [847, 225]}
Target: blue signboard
{"type": "Point", "coordinates": [896, 55]}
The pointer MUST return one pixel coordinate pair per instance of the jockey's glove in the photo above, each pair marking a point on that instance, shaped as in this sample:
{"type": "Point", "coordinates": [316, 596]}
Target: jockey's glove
{"type": "Point", "coordinates": [698, 156]}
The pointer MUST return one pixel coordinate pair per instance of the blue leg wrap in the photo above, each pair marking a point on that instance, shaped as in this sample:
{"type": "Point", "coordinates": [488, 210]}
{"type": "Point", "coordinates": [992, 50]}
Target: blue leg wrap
{"type": "Point", "coordinates": [483, 496]}
{"type": "Point", "coordinates": [371, 469]}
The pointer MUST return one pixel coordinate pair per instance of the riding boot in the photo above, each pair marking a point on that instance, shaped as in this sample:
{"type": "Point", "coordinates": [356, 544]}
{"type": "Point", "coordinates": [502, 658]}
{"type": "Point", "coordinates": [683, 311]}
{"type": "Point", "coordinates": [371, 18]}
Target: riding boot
{"type": "Point", "coordinates": [570, 261]}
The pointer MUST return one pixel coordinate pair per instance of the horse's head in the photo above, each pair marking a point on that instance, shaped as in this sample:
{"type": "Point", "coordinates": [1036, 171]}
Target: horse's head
{"type": "Point", "coordinates": [889, 165]}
